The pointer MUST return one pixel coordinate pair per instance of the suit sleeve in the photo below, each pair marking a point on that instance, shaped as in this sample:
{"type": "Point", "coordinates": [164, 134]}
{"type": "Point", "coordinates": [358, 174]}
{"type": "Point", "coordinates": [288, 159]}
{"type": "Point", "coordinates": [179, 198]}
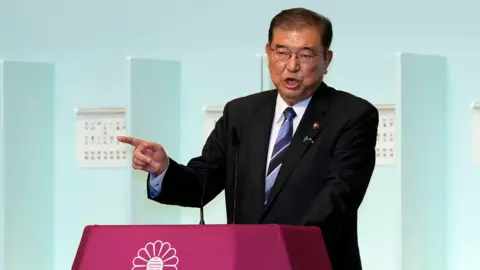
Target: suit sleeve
{"type": "Point", "coordinates": [183, 184]}
{"type": "Point", "coordinates": [350, 170]}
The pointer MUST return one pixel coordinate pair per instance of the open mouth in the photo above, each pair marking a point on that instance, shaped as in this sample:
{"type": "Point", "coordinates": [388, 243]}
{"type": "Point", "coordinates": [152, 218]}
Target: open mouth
{"type": "Point", "coordinates": [291, 83]}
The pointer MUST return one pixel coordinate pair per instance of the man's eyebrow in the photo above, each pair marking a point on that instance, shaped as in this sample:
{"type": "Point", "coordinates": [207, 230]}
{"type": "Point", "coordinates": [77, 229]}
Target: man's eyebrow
{"type": "Point", "coordinates": [307, 48]}
{"type": "Point", "coordinates": [280, 46]}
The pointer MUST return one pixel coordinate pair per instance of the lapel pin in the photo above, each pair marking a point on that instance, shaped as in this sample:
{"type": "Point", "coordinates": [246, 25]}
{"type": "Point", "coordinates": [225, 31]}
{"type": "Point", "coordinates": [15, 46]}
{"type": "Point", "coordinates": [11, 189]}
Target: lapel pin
{"type": "Point", "coordinates": [315, 125]}
{"type": "Point", "coordinates": [307, 139]}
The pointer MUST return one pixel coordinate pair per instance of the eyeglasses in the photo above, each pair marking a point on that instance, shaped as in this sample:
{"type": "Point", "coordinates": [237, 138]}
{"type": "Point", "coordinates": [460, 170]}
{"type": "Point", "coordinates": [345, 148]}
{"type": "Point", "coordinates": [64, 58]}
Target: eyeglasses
{"type": "Point", "coordinates": [284, 54]}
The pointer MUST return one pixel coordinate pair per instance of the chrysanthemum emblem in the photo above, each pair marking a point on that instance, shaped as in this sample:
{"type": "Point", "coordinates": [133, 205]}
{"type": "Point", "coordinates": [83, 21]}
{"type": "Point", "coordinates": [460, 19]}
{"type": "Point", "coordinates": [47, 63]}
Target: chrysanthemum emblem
{"type": "Point", "coordinates": [156, 255]}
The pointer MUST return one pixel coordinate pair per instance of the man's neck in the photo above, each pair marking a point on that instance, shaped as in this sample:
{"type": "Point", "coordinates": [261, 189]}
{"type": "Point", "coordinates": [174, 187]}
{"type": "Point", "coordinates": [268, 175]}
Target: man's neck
{"type": "Point", "coordinates": [293, 102]}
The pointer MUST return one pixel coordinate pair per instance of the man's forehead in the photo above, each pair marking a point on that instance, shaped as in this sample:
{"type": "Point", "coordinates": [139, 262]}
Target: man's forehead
{"type": "Point", "coordinates": [305, 37]}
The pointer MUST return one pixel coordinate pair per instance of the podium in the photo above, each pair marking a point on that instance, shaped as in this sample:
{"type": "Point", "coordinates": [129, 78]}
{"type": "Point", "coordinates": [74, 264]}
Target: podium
{"type": "Point", "coordinates": [201, 247]}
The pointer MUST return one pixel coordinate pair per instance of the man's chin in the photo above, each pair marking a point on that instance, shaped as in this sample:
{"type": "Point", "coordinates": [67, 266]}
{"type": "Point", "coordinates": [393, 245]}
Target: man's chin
{"type": "Point", "coordinates": [292, 92]}
{"type": "Point", "coordinates": [291, 96]}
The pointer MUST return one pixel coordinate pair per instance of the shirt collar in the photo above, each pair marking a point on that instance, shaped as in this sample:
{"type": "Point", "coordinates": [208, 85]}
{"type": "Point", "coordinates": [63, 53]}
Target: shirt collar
{"type": "Point", "coordinates": [281, 105]}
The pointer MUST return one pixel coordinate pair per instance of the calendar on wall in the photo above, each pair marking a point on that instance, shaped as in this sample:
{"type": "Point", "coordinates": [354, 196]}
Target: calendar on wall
{"type": "Point", "coordinates": [476, 132]}
{"type": "Point", "coordinates": [385, 148]}
{"type": "Point", "coordinates": [97, 131]}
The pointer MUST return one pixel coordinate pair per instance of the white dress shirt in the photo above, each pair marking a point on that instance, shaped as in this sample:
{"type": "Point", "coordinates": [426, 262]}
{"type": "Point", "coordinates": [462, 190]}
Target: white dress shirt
{"type": "Point", "coordinates": [278, 119]}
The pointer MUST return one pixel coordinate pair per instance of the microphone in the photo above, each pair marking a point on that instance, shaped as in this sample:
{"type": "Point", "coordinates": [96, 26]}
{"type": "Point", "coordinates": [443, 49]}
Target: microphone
{"type": "Point", "coordinates": [235, 142]}
{"type": "Point", "coordinates": [235, 189]}
{"type": "Point", "coordinates": [204, 184]}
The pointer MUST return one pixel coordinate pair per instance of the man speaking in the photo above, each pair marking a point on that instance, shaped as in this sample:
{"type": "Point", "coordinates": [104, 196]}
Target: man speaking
{"type": "Point", "coordinates": [301, 154]}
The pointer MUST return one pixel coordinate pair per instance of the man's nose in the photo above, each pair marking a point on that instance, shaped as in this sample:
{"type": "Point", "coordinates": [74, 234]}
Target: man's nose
{"type": "Point", "coordinates": [293, 62]}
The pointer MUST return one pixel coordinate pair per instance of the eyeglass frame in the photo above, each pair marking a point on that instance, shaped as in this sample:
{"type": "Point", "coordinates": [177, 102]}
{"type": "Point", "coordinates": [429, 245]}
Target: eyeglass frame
{"type": "Point", "coordinates": [314, 54]}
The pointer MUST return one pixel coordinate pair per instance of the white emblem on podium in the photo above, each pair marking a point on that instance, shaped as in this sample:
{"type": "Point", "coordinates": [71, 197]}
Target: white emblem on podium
{"type": "Point", "coordinates": [156, 255]}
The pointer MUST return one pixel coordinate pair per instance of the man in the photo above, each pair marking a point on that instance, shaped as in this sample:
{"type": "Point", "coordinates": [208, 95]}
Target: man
{"type": "Point", "coordinates": [301, 154]}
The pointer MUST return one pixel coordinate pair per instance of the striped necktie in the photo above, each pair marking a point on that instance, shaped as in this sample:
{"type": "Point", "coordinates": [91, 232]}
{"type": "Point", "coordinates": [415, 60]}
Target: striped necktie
{"type": "Point", "coordinates": [283, 141]}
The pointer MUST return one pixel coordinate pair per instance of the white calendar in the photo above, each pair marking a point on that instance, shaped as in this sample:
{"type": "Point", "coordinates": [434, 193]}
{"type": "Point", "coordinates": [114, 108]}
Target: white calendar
{"type": "Point", "coordinates": [476, 132]}
{"type": "Point", "coordinates": [385, 148]}
{"type": "Point", "coordinates": [97, 144]}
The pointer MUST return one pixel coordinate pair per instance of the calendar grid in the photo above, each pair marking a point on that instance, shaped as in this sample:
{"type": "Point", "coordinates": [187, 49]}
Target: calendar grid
{"type": "Point", "coordinates": [97, 143]}
{"type": "Point", "coordinates": [385, 147]}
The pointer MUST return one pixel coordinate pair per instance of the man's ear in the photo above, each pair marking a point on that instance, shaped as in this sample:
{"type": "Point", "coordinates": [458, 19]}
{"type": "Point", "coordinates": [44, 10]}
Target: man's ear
{"type": "Point", "coordinates": [267, 50]}
{"type": "Point", "coordinates": [328, 58]}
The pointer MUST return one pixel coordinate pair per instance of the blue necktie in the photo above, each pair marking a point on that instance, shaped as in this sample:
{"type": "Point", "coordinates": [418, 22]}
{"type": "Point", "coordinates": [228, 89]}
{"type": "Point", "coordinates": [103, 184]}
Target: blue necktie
{"type": "Point", "coordinates": [281, 144]}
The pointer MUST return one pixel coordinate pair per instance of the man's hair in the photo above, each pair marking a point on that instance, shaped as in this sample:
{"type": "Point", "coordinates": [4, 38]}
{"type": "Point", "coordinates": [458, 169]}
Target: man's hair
{"type": "Point", "coordinates": [302, 17]}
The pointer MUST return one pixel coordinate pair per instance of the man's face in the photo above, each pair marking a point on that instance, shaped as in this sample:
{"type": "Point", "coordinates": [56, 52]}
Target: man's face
{"type": "Point", "coordinates": [297, 76]}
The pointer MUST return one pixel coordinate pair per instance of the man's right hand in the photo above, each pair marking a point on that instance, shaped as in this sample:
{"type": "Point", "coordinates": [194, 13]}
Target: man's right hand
{"type": "Point", "coordinates": [147, 156]}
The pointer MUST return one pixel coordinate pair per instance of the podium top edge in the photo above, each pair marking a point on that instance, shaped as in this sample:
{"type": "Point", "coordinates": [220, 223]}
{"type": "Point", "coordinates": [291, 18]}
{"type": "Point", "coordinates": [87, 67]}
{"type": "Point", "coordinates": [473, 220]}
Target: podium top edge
{"type": "Point", "coordinates": [196, 226]}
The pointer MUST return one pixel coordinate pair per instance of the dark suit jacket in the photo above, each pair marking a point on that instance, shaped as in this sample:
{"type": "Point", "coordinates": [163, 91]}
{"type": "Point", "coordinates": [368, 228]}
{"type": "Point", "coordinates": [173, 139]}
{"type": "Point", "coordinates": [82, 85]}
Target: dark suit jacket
{"type": "Point", "coordinates": [320, 183]}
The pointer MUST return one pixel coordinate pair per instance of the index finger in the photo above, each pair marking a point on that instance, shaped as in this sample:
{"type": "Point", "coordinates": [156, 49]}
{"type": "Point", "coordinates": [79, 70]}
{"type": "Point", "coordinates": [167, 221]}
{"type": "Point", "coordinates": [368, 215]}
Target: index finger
{"type": "Point", "coordinates": [130, 140]}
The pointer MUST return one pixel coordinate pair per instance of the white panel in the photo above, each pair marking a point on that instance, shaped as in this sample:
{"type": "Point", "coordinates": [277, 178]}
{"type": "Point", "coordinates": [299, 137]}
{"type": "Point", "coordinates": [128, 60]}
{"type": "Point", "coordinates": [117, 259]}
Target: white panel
{"type": "Point", "coordinates": [212, 114]}
{"type": "Point", "coordinates": [97, 131]}
{"type": "Point", "coordinates": [2, 173]}
{"type": "Point", "coordinates": [386, 140]}
{"type": "Point", "coordinates": [476, 132]}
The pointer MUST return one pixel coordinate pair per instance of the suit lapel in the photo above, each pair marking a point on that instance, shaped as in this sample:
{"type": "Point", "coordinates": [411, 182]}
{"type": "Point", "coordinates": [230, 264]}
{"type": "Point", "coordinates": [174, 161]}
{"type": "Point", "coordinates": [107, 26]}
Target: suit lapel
{"type": "Point", "coordinates": [312, 123]}
{"type": "Point", "coordinates": [259, 130]}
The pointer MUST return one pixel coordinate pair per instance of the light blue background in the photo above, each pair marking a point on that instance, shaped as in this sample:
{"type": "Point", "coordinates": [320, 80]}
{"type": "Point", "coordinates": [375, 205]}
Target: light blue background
{"type": "Point", "coordinates": [212, 51]}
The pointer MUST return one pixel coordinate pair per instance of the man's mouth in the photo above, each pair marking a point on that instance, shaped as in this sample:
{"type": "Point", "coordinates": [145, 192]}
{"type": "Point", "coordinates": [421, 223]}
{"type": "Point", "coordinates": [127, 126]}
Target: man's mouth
{"type": "Point", "coordinates": [291, 83]}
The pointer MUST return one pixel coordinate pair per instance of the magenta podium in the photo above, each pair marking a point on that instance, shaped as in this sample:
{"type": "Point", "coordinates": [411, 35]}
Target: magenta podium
{"type": "Point", "coordinates": [201, 247]}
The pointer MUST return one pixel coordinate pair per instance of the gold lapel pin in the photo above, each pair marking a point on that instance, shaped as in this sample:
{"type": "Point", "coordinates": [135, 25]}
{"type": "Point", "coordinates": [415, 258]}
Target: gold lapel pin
{"type": "Point", "coordinates": [315, 125]}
